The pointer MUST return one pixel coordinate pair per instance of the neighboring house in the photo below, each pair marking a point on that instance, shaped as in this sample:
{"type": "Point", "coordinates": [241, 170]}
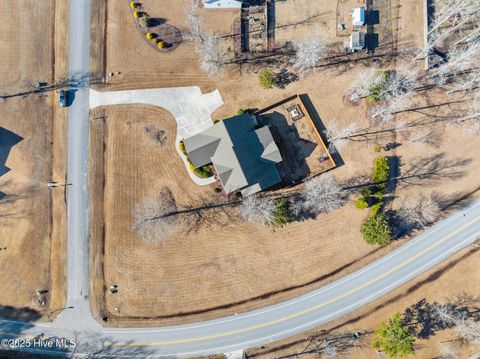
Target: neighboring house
{"type": "Point", "coordinates": [244, 157]}
{"type": "Point", "coordinates": [222, 4]}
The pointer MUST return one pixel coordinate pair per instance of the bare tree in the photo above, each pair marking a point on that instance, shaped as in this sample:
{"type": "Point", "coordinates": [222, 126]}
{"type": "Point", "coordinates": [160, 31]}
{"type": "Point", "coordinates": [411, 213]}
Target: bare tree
{"type": "Point", "coordinates": [393, 90]}
{"type": "Point", "coordinates": [396, 93]}
{"type": "Point", "coordinates": [466, 328]}
{"type": "Point", "coordinates": [359, 88]}
{"type": "Point", "coordinates": [321, 194]}
{"type": "Point", "coordinates": [471, 121]}
{"type": "Point", "coordinates": [90, 345]}
{"type": "Point", "coordinates": [207, 45]}
{"type": "Point", "coordinates": [210, 56]}
{"type": "Point", "coordinates": [329, 350]}
{"type": "Point", "coordinates": [154, 218]}
{"type": "Point", "coordinates": [419, 214]}
{"type": "Point", "coordinates": [452, 17]}
{"type": "Point", "coordinates": [400, 126]}
{"type": "Point", "coordinates": [458, 66]}
{"type": "Point", "coordinates": [308, 53]}
{"type": "Point", "coordinates": [385, 111]}
{"type": "Point", "coordinates": [447, 351]}
{"type": "Point", "coordinates": [421, 138]}
{"type": "Point", "coordinates": [257, 209]}
{"type": "Point", "coordinates": [194, 22]}
{"type": "Point", "coordinates": [337, 137]}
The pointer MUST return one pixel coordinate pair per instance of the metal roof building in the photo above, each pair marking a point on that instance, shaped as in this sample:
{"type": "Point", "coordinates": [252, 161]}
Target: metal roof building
{"type": "Point", "coordinates": [244, 157]}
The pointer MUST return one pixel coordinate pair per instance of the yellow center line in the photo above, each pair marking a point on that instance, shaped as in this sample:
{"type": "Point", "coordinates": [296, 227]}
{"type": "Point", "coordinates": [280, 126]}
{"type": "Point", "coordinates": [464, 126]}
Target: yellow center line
{"type": "Point", "coordinates": [306, 311]}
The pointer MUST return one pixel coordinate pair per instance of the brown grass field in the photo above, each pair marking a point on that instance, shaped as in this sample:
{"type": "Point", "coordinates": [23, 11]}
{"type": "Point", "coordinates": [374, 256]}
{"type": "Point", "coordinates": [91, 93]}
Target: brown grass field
{"type": "Point", "coordinates": [442, 284]}
{"type": "Point", "coordinates": [32, 218]}
{"type": "Point", "coordinates": [232, 266]}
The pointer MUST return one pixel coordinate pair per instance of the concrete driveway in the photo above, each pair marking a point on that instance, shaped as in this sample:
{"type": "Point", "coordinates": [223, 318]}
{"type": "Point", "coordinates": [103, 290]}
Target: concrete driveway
{"type": "Point", "coordinates": [188, 105]}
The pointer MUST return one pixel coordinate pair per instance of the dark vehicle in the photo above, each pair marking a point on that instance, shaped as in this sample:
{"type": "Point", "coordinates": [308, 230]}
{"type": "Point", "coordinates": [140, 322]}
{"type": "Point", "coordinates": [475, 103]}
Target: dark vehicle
{"type": "Point", "coordinates": [62, 98]}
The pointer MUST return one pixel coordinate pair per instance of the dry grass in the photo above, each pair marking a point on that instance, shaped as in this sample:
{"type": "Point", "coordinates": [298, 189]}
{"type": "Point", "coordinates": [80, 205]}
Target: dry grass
{"type": "Point", "coordinates": [228, 261]}
{"type": "Point", "coordinates": [232, 266]}
{"type": "Point", "coordinates": [440, 284]}
{"type": "Point", "coordinates": [31, 215]}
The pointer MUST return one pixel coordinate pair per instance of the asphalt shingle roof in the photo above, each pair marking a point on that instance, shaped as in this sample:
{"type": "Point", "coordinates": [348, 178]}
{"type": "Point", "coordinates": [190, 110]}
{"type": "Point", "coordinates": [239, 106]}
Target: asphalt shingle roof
{"type": "Point", "coordinates": [244, 157]}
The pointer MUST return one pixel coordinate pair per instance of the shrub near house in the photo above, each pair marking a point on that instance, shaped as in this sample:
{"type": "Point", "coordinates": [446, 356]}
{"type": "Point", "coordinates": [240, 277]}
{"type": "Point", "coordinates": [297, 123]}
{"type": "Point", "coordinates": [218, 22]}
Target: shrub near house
{"type": "Point", "coordinates": [202, 172]}
{"type": "Point", "coordinates": [266, 79]}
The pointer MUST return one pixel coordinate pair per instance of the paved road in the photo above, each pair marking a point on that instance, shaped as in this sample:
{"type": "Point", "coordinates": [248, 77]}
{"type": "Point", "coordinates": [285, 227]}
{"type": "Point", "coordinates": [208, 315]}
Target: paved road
{"type": "Point", "coordinates": [294, 316]}
{"type": "Point", "coordinates": [77, 193]}
{"type": "Point", "coordinates": [228, 334]}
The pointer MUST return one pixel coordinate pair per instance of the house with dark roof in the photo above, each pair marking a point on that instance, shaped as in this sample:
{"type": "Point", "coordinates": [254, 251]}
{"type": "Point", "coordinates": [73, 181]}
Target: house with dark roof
{"type": "Point", "coordinates": [244, 156]}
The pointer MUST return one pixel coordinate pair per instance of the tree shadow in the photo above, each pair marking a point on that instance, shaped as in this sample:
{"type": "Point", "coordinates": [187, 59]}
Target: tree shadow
{"type": "Point", "coordinates": [432, 168]}
{"type": "Point", "coordinates": [455, 201]}
{"type": "Point", "coordinates": [8, 200]}
{"type": "Point", "coordinates": [156, 21]}
{"type": "Point", "coordinates": [315, 281]}
{"type": "Point", "coordinates": [447, 203]}
{"type": "Point", "coordinates": [96, 345]}
{"type": "Point", "coordinates": [321, 343]}
{"type": "Point", "coordinates": [193, 220]}
{"type": "Point", "coordinates": [72, 82]}
{"type": "Point", "coordinates": [283, 78]}
{"type": "Point", "coordinates": [423, 321]}
{"type": "Point", "coordinates": [8, 139]}
{"type": "Point", "coordinates": [20, 320]}
{"type": "Point", "coordinates": [413, 288]}
{"type": "Point", "coordinates": [294, 148]}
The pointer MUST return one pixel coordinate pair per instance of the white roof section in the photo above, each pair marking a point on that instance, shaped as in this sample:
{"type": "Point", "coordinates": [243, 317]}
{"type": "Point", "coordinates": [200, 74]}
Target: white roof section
{"type": "Point", "coordinates": [222, 4]}
{"type": "Point", "coordinates": [357, 41]}
{"type": "Point", "coordinates": [271, 152]}
{"type": "Point", "coordinates": [358, 16]}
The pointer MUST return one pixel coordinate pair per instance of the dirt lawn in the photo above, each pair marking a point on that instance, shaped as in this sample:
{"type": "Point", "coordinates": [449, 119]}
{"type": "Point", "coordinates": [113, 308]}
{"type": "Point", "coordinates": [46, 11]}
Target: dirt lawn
{"type": "Point", "coordinates": [32, 137]}
{"type": "Point", "coordinates": [233, 266]}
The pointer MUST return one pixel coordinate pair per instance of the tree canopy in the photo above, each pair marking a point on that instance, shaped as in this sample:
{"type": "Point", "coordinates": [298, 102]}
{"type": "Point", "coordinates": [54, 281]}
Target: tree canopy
{"type": "Point", "coordinates": [393, 338]}
{"type": "Point", "coordinates": [376, 229]}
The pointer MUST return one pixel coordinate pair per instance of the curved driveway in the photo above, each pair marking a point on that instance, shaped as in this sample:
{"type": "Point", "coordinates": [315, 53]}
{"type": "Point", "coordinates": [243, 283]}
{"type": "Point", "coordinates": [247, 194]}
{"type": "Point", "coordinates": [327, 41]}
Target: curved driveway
{"type": "Point", "coordinates": [230, 333]}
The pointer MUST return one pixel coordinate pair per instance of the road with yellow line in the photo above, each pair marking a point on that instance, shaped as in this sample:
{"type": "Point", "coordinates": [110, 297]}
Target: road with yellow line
{"type": "Point", "coordinates": [279, 321]}
{"type": "Point", "coordinates": [228, 334]}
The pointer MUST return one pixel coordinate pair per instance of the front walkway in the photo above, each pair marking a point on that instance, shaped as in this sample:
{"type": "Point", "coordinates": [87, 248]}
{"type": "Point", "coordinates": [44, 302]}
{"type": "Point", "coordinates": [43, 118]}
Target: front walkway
{"type": "Point", "coordinates": [188, 105]}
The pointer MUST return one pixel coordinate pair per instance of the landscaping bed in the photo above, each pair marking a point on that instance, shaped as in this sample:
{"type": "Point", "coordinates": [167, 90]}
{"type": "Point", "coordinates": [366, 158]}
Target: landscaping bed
{"type": "Point", "coordinates": [155, 31]}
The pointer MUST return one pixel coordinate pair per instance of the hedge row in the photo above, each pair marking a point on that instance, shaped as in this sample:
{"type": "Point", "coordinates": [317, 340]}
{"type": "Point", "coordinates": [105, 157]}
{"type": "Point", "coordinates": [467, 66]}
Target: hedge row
{"type": "Point", "coordinates": [376, 228]}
